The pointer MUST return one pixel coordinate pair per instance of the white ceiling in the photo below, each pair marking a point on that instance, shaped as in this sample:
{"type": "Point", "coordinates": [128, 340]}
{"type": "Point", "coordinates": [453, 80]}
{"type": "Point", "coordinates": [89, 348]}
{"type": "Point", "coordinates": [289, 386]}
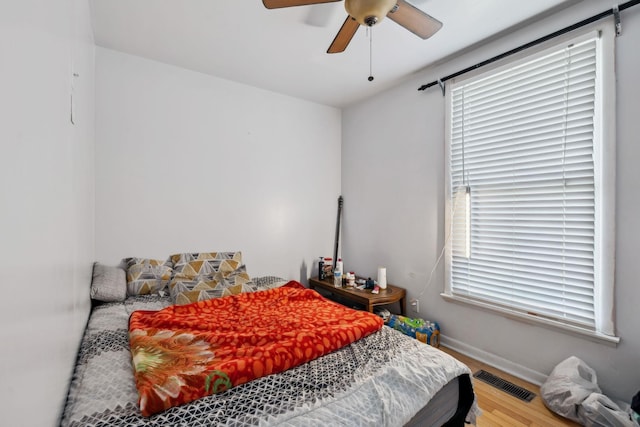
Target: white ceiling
{"type": "Point", "coordinates": [283, 50]}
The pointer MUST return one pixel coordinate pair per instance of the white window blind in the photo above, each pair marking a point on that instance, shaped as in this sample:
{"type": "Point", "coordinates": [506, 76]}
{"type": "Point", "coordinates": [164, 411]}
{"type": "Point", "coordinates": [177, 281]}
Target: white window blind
{"type": "Point", "coordinates": [522, 143]}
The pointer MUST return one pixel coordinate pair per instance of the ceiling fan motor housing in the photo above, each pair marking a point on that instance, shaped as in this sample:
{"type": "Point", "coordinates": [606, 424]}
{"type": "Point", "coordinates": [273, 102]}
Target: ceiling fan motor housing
{"type": "Point", "coordinates": [371, 20]}
{"type": "Point", "coordinates": [369, 12]}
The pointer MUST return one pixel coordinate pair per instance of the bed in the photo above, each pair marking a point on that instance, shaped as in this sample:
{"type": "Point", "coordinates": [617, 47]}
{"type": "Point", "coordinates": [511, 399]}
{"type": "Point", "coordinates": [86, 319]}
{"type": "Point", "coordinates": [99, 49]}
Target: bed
{"type": "Point", "coordinates": [382, 379]}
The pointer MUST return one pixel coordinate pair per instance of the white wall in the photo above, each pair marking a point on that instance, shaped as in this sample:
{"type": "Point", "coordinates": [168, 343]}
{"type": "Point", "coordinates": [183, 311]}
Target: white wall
{"type": "Point", "coordinates": [189, 162]}
{"type": "Point", "coordinates": [46, 202]}
{"type": "Point", "coordinates": [393, 184]}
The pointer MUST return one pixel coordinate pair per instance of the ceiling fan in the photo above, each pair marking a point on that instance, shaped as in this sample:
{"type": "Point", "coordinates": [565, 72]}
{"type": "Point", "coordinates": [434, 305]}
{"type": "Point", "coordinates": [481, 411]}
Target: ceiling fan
{"type": "Point", "coordinates": [370, 13]}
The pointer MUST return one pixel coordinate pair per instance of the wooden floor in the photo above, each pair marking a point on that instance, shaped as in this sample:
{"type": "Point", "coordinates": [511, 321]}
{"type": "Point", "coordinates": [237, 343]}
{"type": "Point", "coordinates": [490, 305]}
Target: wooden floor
{"type": "Point", "coordinates": [502, 410]}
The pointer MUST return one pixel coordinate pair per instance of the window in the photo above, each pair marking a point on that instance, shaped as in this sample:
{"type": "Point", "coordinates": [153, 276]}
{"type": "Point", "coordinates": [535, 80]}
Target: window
{"type": "Point", "coordinates": [531, 187]}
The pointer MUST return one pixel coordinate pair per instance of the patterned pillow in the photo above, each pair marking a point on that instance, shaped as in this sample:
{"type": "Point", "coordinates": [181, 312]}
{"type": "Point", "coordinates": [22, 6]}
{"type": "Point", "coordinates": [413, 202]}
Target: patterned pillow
{"type": "Point", "coordinates": [146, 276]}
{"type": "Point", "coordinates": [193, 265]}
{"type": "Point", "coordinates": [186, 290]}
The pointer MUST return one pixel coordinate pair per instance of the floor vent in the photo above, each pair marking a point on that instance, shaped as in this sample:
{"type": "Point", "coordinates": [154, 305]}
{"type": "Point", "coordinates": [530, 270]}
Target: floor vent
{"type": "Point", "coordinates": [504, 385]}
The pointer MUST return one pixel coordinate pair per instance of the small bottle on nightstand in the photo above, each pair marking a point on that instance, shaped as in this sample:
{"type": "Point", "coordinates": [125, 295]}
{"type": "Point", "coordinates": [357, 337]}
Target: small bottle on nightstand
{"type": "Point", "coordinates": [337, 278]}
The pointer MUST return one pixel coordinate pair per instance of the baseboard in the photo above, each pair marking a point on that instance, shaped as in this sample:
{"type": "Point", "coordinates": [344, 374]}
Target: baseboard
{"type": "Point", "coordinates": [496, 361]}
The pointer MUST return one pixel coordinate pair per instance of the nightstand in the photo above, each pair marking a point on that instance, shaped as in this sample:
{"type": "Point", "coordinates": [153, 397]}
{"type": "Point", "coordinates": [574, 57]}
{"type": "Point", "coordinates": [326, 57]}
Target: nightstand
{"type": "Point", "coordinates": [364, 297]}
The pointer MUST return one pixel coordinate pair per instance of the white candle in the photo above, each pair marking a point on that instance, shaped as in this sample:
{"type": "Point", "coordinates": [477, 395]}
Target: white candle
{"type": "Point", "coordinates": [382, 277]}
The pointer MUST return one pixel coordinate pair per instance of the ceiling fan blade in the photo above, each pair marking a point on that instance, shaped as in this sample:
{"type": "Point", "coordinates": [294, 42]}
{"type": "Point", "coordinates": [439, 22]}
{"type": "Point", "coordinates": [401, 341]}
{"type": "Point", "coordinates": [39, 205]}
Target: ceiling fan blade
{"type": "Point", "coordinates": [276, 4]}
{"type": "Point", "coordinates": [344, 36]}
{"type": "Point", "coordinates": [414, 20]}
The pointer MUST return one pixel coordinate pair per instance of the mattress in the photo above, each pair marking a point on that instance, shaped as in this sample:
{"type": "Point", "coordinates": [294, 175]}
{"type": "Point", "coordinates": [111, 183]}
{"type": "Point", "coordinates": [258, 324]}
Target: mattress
{"type": "Point", "coordinates": [385, 379]}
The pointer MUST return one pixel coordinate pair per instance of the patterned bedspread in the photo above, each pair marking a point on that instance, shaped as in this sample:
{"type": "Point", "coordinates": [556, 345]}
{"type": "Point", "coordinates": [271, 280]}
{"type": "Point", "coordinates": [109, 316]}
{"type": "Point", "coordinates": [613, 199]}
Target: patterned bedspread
{"type": "Point", "coordinates": [380, 380]}
{"type": "Point", "coordinates": [185, 352]}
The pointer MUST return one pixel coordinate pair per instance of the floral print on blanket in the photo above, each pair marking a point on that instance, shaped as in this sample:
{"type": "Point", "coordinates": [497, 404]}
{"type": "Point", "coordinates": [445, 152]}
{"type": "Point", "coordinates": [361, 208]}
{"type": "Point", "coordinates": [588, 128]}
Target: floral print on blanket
{"type": "Point", "coordinates": [166, 361]}
{"type": "Point", "coordinates": [182, 353]}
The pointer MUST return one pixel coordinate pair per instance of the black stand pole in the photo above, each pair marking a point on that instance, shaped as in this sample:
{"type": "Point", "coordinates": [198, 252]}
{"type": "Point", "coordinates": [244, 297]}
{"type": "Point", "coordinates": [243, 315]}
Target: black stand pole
{"type": "Point", "coordinates": [335, 250]}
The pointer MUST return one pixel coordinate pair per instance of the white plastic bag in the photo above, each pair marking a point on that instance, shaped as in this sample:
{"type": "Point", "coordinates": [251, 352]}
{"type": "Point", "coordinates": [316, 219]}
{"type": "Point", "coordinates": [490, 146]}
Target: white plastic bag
{"type": "Point", "coordinates": [600, 411]}
{"type": "Point", "coordinates": [568, 385]}
{"type": "Point", "coordinates": [571, 390]}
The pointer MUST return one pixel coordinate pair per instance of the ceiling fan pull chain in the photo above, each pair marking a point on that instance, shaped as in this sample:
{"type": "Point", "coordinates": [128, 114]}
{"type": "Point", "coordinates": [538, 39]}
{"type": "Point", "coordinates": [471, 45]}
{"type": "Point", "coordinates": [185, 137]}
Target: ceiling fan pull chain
{"type": "Point", "coordinates": [370, 31]}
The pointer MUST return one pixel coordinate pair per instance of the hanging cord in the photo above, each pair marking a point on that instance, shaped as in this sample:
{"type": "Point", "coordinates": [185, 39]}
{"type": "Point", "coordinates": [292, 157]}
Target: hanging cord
{"type": "Point", "coordinates": [567, 77]}
{"type": "Point", "coordinates": [444, 247]}
{"type": "Point", "coordinates": [446, 242]}
{"type": "Point", "coordinates": [370, 31]}
{"type": "Point", "coordinates": [453, 213]}
{"type": "Point", "coordinates": [464, 178]}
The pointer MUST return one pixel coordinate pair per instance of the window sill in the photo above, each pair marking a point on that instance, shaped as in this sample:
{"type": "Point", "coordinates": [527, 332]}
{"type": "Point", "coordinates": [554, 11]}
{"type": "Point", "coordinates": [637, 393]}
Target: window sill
{"type": "Point", "coordinates": [552, 324]}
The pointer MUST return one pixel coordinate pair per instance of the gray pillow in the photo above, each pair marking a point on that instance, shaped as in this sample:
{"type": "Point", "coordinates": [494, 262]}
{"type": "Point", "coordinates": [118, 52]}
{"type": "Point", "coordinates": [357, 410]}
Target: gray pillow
{"type": "Point", "coordinates": [109, 284]}
{"type": "Point", "coordinates": [269, 282]}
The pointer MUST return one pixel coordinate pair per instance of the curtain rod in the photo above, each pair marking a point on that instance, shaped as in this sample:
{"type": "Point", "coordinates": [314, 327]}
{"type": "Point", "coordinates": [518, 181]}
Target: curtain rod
{"type": "Point", "coordinates": [594, 18]}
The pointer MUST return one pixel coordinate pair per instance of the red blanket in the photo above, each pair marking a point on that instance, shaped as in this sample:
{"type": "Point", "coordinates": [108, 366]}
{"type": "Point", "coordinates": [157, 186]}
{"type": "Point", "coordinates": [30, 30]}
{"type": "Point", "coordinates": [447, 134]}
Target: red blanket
{"type": "Point", "coordinates": [185, 352]}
